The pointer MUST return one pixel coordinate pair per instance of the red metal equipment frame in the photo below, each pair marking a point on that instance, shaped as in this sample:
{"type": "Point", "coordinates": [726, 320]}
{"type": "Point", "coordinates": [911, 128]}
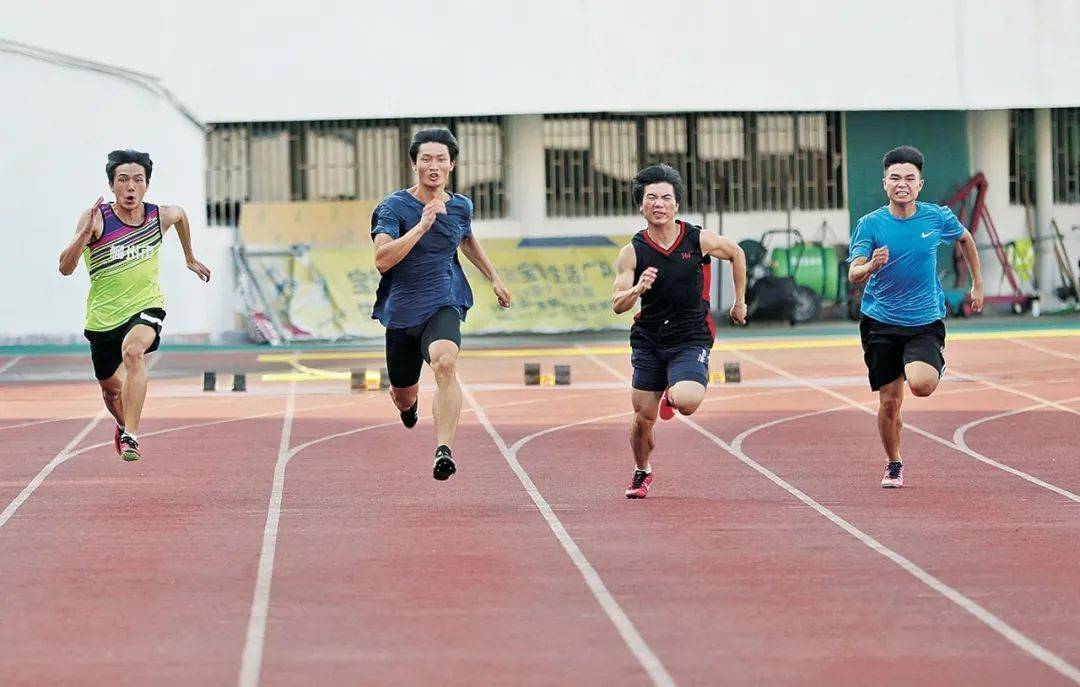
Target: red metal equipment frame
{"type": "Point", "coordinates": [968, 203]}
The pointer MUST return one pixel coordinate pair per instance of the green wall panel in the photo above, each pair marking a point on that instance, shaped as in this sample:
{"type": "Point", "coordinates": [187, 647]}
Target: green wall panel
{"type": "Point", "coordinates": [940, 135]}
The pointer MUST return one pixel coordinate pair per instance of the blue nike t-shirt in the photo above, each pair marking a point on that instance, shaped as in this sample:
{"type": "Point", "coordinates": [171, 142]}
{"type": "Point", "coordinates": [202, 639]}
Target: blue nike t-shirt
{"type": "Point", "coordinates": [430, 276]}
{"type": "Point", "coordinates": [906, 291]}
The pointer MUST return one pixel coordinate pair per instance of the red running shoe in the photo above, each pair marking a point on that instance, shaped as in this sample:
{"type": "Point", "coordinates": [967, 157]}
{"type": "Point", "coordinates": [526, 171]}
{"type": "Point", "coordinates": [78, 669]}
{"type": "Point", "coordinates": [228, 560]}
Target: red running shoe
{"type": "Point", "coordinates": [667, 411]}
{"type": "Point", "coordinates": [639, 487]}
{"type": "Point", "coordinates": [116, 439]}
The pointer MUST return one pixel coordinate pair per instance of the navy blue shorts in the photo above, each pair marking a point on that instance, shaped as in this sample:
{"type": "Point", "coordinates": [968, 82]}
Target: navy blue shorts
{"type": "Point", "coordinates": [656, 368]}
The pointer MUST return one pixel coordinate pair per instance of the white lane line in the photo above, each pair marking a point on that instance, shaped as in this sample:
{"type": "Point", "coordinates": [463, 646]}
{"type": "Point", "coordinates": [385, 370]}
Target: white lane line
{"type": "Point", "coordinates": [1024, 643]}
{"type": "Point", "coordinates": [626, 413]}
{"type": "Point", "coordinates": [209, 423]}
{"type": "Point", "coordinates": [60, 458]}
{"type": "Point", "coordinates": [921, 432]}
{"type": "Point", "coordinates": [645, 656]}
{"type": "Point", "coordinates": [251, 659]}
{"type": "Point", "coordinates": [170, 404]}
{"type": "Point", "coordinates": [958, 439]}
{"type": "Point", "coordinates": [63, 456]}
{"type": "Point", "coordinates": [1016, 392]}
{"type": "Point", "coordinates": [10, 364]}
{"type": "Point", "coordinates": [992, 621]}
{"type": "Point", "coordinates": [1044, 349]}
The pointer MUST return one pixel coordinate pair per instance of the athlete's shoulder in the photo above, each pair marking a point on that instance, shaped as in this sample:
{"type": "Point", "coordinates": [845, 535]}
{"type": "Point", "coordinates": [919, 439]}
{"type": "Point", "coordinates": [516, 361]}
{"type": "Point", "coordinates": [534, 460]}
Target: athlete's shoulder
{"type": "Point", "coordinates": [166, 214]}
{"type": "Point", "coordinates": [397, 199]}
{"type": "Point", "coordinates": [875, 216]}
{"type": "Point", "coordinates": [934, 210]}
{"type": "Point", "coordinates": [462, 200]}
{"type": "Point", "coordinates": [394, 204]}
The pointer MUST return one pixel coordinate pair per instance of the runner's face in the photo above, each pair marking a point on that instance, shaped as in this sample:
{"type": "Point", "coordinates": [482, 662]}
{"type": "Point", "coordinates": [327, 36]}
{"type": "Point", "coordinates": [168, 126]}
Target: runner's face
{"type": "Point", "coordinates": [129, 185]}
{"type": "Point", "coordinates": [658, 204]}
{"type": "Point", "coordinates": [903, 183]}
{"type": "Point", "coordinates": [433, 165]}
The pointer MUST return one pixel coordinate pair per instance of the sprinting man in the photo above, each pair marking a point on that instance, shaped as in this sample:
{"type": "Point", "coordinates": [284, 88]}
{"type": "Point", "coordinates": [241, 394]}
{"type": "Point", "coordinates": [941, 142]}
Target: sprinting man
{"type": "Point", "coordinates": [894, 252]}
{"type": "Point", "coordinates": [119, 242]}
{"type": "Point", "coordinates": [423, 296]}
{"type": "Point", "coordinates": [666, 266]}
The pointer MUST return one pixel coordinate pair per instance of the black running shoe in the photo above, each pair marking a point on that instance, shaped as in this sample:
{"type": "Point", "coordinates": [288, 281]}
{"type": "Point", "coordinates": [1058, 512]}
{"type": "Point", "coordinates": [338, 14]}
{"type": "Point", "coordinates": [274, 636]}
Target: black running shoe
{"type": "Point", "coordinates": [444, 464]}
{"type": "Point", "coordinates": [409, 417]}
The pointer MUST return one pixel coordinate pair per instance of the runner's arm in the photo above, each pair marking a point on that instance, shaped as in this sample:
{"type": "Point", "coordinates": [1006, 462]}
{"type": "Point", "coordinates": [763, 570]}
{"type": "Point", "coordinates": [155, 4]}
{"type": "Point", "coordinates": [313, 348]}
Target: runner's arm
{"type": "Point", "coordinates": [862, 267]}
{"type": "Point", "coordinates": [725, 249]}
{"type": "Point", "coordinates": [389, 250]}
{"type": "Point", "coordinates": [624, 292]}
{"type": "Point", "coordinates": [971, 254]}
{"type": "Point", "coordinates": [472, 250]}
{"type": "Point", "coordinates": [174, 215]}
{"type": "Point", "coordinates": [88, 227]}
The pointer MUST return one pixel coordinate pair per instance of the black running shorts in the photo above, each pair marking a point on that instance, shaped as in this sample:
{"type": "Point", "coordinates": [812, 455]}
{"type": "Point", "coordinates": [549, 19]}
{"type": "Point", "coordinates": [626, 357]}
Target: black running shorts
{"type": "Point", "coordinates": [106, 350]}
{"type": "Point", "coordinates": [407, 347]}
{"type": "Point", "coordinates": [887, 348]}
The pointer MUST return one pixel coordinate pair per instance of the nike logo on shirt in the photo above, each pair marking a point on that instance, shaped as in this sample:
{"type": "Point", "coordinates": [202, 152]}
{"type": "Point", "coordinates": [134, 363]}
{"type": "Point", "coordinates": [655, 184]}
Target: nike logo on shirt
{"type": "Point", "coordinates": [929, 233]}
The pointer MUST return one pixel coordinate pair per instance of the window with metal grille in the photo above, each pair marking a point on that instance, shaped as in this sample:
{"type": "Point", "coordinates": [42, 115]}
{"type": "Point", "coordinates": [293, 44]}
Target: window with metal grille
{"type": "Point", "coordinates": [344, 160]}
{"type": "Point", "coordinates": [732, 162]}
{"type": "Point", "coordinates": [1022, 157]}
{"type": "Point", "coordinates": [1065, 133]}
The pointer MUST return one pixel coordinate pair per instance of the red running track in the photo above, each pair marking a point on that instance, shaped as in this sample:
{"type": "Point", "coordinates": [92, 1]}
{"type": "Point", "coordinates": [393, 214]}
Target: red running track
{"type": "Point", "coordinates": [150, 573]}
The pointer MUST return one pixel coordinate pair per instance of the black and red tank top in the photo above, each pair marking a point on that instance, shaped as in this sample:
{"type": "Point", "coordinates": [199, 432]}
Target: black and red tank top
{"type": "Point", "coordinates": [675, 310]}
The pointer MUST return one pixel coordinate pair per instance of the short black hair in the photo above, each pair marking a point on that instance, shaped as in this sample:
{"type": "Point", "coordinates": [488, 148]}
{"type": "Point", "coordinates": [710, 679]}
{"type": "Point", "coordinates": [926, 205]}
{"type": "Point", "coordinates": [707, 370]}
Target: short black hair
{"type": "Point", "coordinates": [123, 157]}
{"type": "Point", "coordinates": [658, 174]}
{"type": "Point", "coordinates": [433, 136]}
{"type": "Point", "coordinates": [902, 155]}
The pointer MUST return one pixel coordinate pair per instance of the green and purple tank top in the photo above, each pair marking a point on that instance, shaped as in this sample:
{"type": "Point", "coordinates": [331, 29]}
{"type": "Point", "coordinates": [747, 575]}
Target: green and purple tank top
{"type": "Point", "coordinates": [123, 266]}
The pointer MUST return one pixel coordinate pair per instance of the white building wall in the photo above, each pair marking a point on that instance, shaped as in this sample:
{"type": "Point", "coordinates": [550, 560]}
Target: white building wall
{"type": "Point", "coordinates": [59, 124]}
{"type": "Point", "coordinates": [234, 61]}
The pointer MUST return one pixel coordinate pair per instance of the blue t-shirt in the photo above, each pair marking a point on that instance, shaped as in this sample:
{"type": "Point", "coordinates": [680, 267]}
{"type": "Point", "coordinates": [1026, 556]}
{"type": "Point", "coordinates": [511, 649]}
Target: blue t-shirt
{"type": "Point", "coordinates": [906, 291]}
{"type": "Point", "coordinates": [430, 276]}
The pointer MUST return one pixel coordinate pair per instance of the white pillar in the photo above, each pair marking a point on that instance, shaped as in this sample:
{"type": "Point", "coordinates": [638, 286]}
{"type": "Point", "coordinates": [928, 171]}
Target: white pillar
{"type": "Point", "coordinates": [525, 185]}
{"type": "Point", "coordinates": [988, 151]}
{"type": "Point", "coordinates": [1045, 266]}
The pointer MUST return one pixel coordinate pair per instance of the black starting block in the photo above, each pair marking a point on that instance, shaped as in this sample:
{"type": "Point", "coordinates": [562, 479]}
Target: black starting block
{"type": "Point", "coordinates": [532, 374]}
{"type": "Point", "coordinates": [730, 374]}
{"type": "Point", "coordinates": [209, 381]}
{"type": "Point", "coordinates": [562, 375]}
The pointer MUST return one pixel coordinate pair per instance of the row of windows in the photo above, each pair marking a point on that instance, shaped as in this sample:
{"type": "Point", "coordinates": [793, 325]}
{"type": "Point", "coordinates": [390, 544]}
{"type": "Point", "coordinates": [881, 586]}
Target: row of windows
{"type": "Point", "coordinates": [1065, 155]}
{"type": "Point", "coordinates": [730, 161]}
{"type": "Point", "coordinates": [1065, 133]}
{"type": "Point", "coordinates": [344, 160]}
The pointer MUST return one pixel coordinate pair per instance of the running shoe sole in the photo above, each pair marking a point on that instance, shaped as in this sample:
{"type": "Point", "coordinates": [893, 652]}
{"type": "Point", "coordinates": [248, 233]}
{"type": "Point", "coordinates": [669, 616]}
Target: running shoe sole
{"type": "Point", "coordinates": [443, 468]}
